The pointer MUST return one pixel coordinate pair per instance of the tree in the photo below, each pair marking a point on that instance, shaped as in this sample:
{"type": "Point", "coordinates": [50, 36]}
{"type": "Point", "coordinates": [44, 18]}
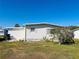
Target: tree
{"type": "Point", "coordinates": [17, 25]}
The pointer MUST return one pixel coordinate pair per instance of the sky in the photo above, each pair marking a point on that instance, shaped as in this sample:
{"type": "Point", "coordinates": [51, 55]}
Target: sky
{"type": "Point", "coordinates": [62, 12]}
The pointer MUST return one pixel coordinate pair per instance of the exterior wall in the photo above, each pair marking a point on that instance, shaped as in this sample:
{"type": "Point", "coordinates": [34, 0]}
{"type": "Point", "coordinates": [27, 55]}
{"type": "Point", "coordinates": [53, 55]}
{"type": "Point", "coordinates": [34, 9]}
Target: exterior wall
{"type": "Point", "coordinates": [38, 34]}
{"type": "Point", "coordinates": [1, 32]}
{"type": "Point", "coordinates": [17, 35]}
{"type": "Point", "coordinates": [76, 34]}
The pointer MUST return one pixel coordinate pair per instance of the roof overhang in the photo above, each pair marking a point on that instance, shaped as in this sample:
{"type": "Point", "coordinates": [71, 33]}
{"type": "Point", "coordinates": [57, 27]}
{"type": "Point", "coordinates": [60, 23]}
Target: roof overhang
{"type": "Point", "coordinates": [42, 24]}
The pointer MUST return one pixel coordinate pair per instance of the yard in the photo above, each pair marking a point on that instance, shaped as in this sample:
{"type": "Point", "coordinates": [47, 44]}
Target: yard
{"type": "Point", "coordinates": [38, 50]}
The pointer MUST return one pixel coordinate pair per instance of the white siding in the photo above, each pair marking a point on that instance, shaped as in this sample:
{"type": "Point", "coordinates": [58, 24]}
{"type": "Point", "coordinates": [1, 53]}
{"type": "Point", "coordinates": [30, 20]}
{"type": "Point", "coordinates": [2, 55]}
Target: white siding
{"type": "Point", "coordinates": [76, 34]}
{"type": "Point", "coordinates": [37, 34]}
{"type": "Point", "coordinates": [17, 34]}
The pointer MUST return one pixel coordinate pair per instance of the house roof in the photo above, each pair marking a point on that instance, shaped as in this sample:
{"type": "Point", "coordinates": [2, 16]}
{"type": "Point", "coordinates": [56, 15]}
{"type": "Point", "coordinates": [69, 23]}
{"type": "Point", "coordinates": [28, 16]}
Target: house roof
{"type": "Point", "coordinates": [14, 28]}
{"type": "Point", "coordinates": [40, 24]}
{"type": "Point", "coordinates": [33, 24]}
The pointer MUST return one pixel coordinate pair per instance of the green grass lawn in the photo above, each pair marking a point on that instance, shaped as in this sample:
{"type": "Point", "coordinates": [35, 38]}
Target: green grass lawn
{"type": "Point", "coordinates": [38, 50]}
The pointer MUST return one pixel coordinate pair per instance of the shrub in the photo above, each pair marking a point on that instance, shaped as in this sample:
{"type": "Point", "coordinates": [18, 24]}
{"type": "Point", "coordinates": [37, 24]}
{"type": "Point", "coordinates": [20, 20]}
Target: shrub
{"type": "Point", "coordinates": [64, 35]}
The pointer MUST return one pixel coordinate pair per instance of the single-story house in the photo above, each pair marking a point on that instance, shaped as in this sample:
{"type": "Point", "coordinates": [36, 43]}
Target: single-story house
{"type": "Point", "coordinates": [31, 32]}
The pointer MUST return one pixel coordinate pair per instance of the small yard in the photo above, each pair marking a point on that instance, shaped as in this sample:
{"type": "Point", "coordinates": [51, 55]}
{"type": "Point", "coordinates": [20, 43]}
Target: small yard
{"type": "Point", "coordinates": [38, 50]}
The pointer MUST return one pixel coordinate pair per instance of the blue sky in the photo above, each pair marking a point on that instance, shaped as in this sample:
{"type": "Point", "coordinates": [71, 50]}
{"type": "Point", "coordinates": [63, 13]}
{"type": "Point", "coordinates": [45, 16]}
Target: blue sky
{"type": "Point", "coordinates": [62, 12]}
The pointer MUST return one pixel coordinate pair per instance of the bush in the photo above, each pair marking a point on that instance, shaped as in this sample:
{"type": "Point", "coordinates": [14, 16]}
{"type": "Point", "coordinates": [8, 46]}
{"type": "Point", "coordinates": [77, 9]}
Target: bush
{"type": "Point", "coordinates": [65, 36]}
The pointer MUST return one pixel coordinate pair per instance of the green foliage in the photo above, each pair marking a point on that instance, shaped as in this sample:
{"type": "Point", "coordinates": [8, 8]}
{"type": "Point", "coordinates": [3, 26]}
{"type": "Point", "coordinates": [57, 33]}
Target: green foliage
{"type": "Point", "coordinates": [55, 31]}
{"type": "Point", "coordinates": [64, 35]}
{"type": "Point", "coordinates": [17, 25]}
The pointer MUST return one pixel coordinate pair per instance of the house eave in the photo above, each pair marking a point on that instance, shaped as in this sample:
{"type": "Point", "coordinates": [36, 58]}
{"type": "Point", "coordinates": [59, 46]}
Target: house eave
{"type": "Point", "coordinates": [41, 24]}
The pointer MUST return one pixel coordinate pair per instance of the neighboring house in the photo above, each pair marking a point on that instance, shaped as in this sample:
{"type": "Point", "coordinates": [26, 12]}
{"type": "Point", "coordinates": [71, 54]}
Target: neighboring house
{"type": "Point", "coordinates": [31, 32]}
{"type": "Point", "coordinates": [76, 33]}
